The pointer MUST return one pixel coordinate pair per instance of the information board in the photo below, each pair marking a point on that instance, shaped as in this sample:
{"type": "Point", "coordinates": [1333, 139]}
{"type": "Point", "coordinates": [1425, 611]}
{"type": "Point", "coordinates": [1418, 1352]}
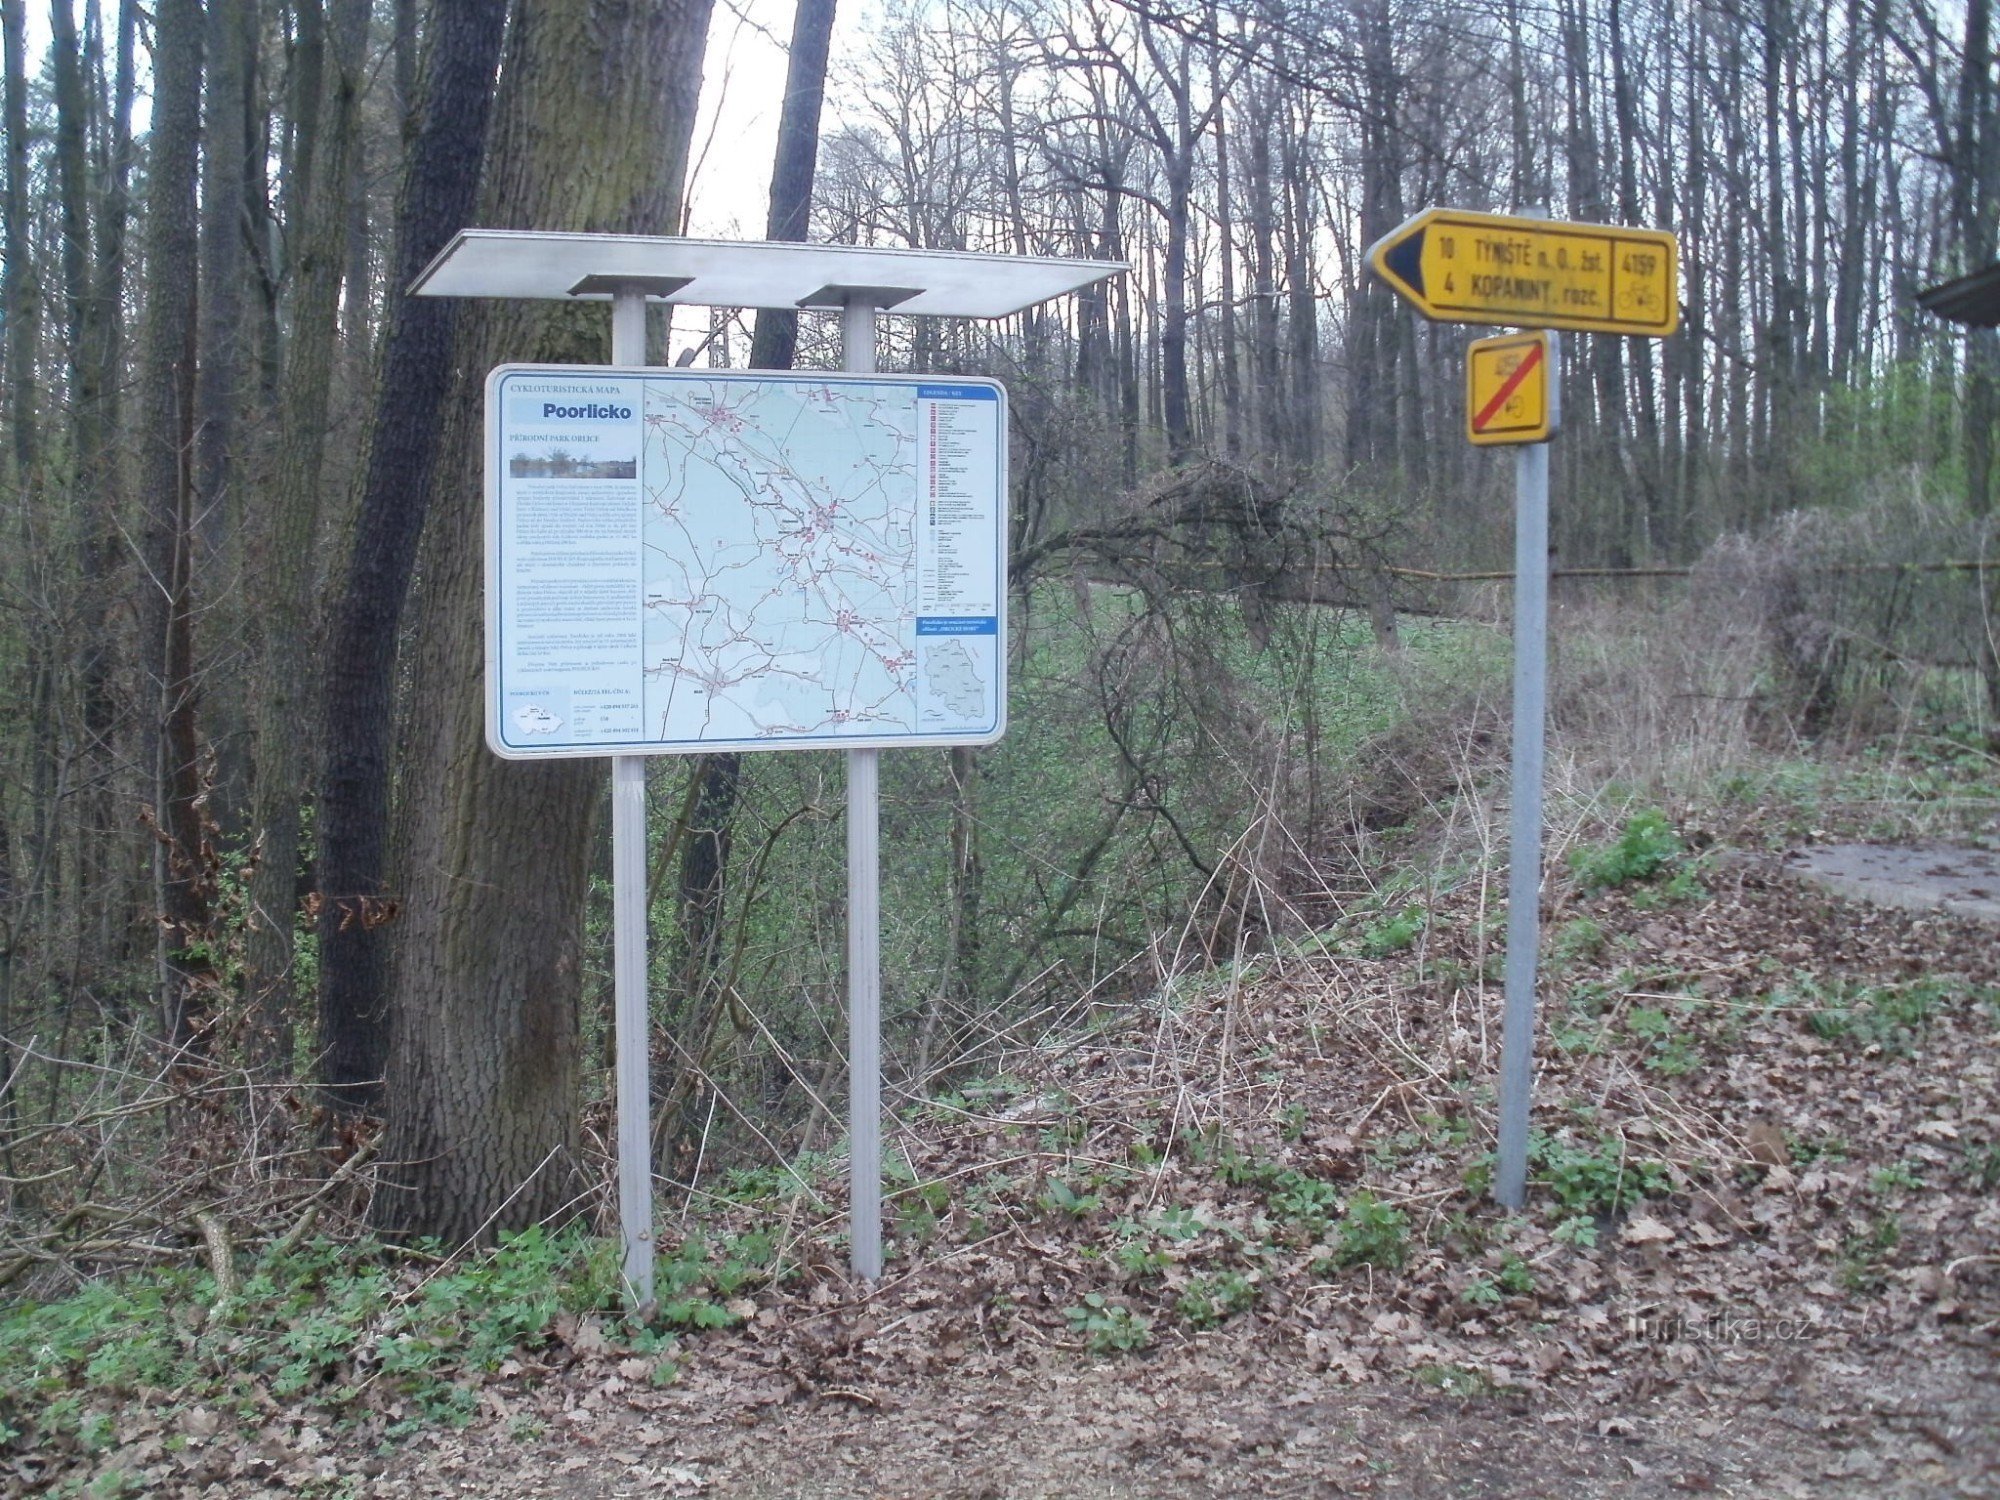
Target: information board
{"type": "Point", "coordinates": [689, 560]}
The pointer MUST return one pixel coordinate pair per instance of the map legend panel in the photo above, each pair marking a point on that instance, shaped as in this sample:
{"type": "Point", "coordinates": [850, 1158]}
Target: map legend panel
{"type": "Point", "coordinates": [680, 561]}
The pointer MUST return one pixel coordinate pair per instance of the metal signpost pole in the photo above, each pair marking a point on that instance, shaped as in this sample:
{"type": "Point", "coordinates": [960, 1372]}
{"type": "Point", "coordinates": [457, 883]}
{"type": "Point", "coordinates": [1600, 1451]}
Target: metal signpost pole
{"type": "Point", "coordinates": [864, 930]}
{"type": "Point", "coordinates": [628, 924]}
{"type": "Point", "coordinates": [1593, 278]}
{"type": "Point", "coordinates": [1524, 874]}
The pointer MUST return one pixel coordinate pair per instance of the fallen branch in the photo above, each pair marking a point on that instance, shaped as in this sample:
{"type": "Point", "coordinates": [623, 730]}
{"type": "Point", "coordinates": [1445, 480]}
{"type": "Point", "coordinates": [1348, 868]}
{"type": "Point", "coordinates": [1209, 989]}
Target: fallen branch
{"type": "Point", "coordinates": [1506, 575]}
{"type": "Point", "coordinates": [292, 1238]}
{"type": "Point", "coordinates": [221, 1260]}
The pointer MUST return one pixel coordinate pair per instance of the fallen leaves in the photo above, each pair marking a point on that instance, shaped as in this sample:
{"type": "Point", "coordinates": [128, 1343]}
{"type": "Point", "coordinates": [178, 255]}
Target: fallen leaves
{"type": "Point", "coordinates": [1645, 1231]}
{"type": "Point", "coordinates": [1809, 1186]}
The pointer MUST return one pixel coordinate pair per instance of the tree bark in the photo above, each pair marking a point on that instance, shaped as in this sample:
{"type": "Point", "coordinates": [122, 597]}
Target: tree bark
{"type": "Point", "coordinates": [224, 173]}
{"type": "Point", "coordinates": [591, 133]}
{"type": "Point", "coordinates": [17, 287]}
{"type": "Point", "coordinates": [775, 334]}
{"type": "Point", "coordinates": [1652, 525]}
{"type": "Point", "coordinates": [94, 281]}
{"type": "Point", "coordinates": [1301, 300]}
{"type": "Point", "coordinates": [1976, 182]}
{"type": "Point", "coordinates": [774, 337]}
{"type": "Point", "coordinates": [1225, 230]}
{"type": "Point", "coordinates": [182, 866]}
{"type": "Point", "coordinates": [288, 581]}
{"type": "Point", "coordinates": [440, 185]}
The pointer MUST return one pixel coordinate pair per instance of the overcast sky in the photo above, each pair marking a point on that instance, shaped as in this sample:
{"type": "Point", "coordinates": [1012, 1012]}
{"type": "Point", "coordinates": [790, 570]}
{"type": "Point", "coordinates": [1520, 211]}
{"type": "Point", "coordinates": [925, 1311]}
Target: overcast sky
{"type": "Point", "coordinates": [743, 87]}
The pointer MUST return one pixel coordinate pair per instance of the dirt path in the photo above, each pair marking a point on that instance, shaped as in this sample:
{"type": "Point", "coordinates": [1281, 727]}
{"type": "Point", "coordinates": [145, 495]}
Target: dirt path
{"type": "Point", "coordinates": [1238, 1241]}
{"type": "Point", "coordinates": [1797, 1297]}
{"type": "Point", "coordinates": [1226, 1415]}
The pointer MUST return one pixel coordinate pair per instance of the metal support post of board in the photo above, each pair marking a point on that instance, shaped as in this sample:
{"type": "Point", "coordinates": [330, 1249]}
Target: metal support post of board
{"type": "Point", "coordinates": [1524, 875]}
{"type": "Point", "coordinates": [864, 930]}
{"type": "Point", "coordinates": [628, 923]}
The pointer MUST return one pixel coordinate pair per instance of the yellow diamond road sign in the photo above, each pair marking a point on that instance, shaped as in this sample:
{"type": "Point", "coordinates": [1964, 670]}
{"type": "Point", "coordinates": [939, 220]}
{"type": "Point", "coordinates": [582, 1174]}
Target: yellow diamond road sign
{"type": "Point", "coordinates": [1509, 397]}
{"type": "Point", "coordinates": [1462, 267]}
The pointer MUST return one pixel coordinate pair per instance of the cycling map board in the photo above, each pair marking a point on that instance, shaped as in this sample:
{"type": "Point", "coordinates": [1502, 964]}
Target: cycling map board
{"type": "Point", "coordinates": [680, 561]}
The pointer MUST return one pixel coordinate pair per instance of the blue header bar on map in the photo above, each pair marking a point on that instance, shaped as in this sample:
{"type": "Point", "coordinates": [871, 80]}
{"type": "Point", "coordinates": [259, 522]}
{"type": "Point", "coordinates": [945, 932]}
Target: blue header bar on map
{"type": "Point", "coordinates": [957, 393]}
{"type": "Point", "coordinates": [958, 625]}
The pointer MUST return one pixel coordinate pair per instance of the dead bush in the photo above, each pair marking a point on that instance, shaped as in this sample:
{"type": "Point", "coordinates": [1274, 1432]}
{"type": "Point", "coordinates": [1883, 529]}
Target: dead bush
{"type": "Point", "coordinates": [1856, 624]}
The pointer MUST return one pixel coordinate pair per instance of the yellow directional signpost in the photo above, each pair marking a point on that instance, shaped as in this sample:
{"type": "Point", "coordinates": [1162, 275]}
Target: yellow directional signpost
{"type": "Point", "coordinates": [1459, 267]}
{"type": "Point", "coordinates": [1539, 274]}
{"type": "Point", "coordinates": [1508, 395]}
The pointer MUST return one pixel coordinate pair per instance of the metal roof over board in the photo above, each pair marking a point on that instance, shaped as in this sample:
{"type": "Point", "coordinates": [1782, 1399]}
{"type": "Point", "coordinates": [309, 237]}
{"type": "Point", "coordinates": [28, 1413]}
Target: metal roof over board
{"type": "Point", "coordinates": [1973, 300]}
{"type": "Point", "coordinates": [750, 273]}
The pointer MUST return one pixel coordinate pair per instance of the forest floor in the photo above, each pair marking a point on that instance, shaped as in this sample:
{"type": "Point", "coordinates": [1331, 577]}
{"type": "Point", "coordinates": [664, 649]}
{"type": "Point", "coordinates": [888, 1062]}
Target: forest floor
{"type": "Point", "coordinates": [1238, 1241]}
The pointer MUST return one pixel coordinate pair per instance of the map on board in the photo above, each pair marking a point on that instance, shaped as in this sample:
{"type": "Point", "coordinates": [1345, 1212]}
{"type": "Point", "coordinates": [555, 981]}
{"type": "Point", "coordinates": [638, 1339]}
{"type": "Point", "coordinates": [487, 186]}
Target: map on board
{"type": "Point", "coordinates": [690, 560]}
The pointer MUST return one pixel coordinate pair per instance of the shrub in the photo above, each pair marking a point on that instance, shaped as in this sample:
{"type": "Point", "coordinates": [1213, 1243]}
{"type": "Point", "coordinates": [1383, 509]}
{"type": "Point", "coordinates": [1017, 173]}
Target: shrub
{"type": "Point", "coordinates": [1646, 846]}
{"type": "Point", "coordinates": [1373, 1234]}
{"type": "Point", "coordinates": [1109, 1327]}
{"type": "Point", "coordinates": [1210, 1300]}
{"type": "Point", "coordinates": [1393, 934]}
{"type": "Point", "coordinates": [1603, 1180]}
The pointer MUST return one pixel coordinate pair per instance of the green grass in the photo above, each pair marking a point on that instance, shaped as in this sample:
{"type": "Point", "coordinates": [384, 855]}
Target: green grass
{"type": "Point", "coordinates": [334, 1327]}
{"type": "Point", "coordinates": [1894, 1019]}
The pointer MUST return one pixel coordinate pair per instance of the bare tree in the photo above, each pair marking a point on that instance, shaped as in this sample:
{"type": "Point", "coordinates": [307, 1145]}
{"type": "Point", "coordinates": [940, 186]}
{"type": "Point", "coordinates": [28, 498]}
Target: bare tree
{"type": "Point", "coordinates": [440, 184]}
{"type": "Point", "coordinates": [183, 859]}
{"type": "Point", "coordinates": [289, 578]}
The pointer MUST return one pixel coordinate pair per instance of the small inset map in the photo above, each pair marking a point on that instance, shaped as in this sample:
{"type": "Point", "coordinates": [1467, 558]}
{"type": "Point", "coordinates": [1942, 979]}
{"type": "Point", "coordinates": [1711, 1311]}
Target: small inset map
{"type": "Point", "coordinates": [954, 680]}
{"type": "Point", "coordinates": [532, 718]}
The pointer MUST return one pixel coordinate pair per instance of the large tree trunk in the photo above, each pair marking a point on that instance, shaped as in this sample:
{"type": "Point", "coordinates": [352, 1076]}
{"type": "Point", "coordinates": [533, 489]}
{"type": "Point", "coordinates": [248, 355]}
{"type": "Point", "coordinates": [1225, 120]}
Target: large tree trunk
{"type": "Point", "coordinates": [1374, 422]}
{"type": "Point", "coordinates": [1303, 330]}
{"type": "Point", "coordinates": [97, 404]}
{"type": "Point", "coordinates": [1230, 373]}
{"type": "Point", "coordinates": [224, 173]}
{"type": "Point", "coordinates": [1652, 524]}
{"type": "Point", "coordinates": [1268, 424]}
{"type": "Point", "coordinates": [1176, 409]}
{"type": "Point", "coordinates": [93, 257]}
{"type": "Point", "coordinates": [440, 184]}
{"type": "Point", "coordinates": [18, 307]}
{"type": "Point", "coordinates": [1976, 185]}
{"type": "Point", "coordinates": [775, 335]}
{"type": "Point", "coordinates": [596, 108]}
{"type": "Point", "coordinates": [1976, 202]}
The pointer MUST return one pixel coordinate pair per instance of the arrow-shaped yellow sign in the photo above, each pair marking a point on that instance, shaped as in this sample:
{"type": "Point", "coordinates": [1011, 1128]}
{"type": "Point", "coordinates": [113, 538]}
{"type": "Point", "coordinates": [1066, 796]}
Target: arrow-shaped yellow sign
{"type": "Point", "coordinates": [1462, 267]}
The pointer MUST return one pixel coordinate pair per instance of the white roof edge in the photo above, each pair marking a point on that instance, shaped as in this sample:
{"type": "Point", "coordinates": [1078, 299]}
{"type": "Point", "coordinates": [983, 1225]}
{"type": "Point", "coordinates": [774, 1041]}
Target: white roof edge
{"type": "Point", "coordinates": [750, 273]}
